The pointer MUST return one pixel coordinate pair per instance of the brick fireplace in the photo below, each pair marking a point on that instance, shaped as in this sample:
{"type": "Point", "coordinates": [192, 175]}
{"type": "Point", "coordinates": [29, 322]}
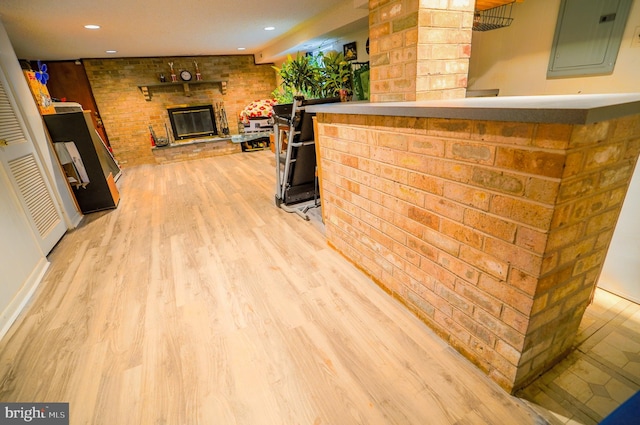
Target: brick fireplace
{"type": "Point", "coordinates": [127, 113]}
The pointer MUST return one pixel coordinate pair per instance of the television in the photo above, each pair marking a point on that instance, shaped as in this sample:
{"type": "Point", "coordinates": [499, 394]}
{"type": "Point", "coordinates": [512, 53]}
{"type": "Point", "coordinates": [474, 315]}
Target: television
{"type": "Point", "coordinates": [192, 122]}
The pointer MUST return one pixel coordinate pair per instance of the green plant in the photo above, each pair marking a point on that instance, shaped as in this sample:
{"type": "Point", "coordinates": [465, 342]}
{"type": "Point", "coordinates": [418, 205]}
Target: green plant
{"type": "Point", "coordinates": [324, 75]}
{"type": "Point", "coordinates": [282, 95]}
{"type": "Point", "coordinates": [300, 76]}
{"type": "Point", "coordinates": [336, 73]}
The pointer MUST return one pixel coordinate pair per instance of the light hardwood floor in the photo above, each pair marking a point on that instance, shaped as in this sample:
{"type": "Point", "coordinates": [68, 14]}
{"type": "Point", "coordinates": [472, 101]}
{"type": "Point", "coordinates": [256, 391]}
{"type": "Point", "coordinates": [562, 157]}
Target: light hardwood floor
{"type": "Point", "coordinates": [197, 301]}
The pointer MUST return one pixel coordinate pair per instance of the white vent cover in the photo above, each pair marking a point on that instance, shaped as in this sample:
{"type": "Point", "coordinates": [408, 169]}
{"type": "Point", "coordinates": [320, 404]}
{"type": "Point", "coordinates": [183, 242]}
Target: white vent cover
{"type": "Point", "coordinates": [25, 171]}
{"type": "Point", "coordinates": [10, 129]}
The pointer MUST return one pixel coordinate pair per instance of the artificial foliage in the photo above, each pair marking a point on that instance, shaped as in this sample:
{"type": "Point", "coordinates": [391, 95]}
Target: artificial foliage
{"type": "Point", "coordinates": [313, 76]}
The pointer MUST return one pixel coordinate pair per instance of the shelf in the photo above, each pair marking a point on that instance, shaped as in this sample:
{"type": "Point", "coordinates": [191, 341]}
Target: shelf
{"type": "Point", "coordinates": [148, 88]}
{"type": "Point", "coordinates": [249, 136]}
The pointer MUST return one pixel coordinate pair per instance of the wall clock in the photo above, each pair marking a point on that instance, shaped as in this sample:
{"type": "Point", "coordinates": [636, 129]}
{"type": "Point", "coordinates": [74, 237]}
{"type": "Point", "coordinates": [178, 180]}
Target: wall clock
{"type": "Point", "coordinates": [185, 75]}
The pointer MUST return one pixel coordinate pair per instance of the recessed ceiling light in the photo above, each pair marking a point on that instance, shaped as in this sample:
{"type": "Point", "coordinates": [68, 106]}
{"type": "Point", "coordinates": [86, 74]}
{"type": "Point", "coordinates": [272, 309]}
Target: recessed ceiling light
{"type": "Point", "coordinates": [242, 48]}
{"type": "Point", "coordinates": [269, 28]}
{"type": "Point", "coordinates": [92, 27]}
{"type": "Point", "coordinates": [112, 51]}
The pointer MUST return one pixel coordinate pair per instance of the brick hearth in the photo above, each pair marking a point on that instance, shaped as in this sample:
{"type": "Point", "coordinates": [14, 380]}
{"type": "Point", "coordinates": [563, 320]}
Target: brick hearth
{"type": "Point", "coordinates": [202, 148]}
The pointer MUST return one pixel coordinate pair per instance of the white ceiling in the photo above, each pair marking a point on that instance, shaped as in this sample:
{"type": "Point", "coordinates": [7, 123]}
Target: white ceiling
{"type": "Point", "coordinates": [54, 29]}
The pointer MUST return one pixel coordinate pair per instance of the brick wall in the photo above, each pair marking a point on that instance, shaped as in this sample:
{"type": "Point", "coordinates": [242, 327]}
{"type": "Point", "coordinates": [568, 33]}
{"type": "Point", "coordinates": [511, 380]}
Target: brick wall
{"type": "Point", "coordinates": [127, 115]}
{"type": "Point", "coordinates": [419, 50]}
{"type": "Point", "coordinates": [598, 165]}
{"type": "Point", "coordinates": [493, 233]}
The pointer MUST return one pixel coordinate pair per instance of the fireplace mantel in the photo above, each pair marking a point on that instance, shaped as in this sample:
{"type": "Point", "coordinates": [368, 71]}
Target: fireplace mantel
{"type": "Point", "coordinates": [147, 88]}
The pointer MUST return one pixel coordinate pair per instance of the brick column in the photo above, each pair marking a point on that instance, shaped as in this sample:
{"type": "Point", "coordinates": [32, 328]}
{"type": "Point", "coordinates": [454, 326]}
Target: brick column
{"type": "Point", "coordinates": [419, 49]}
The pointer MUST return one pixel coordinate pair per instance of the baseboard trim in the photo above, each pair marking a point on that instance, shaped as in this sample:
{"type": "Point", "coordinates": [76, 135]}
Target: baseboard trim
{"type": "Point", "coordinates": [22, 297]}
{"type": "Point", "coordinates": [75, 221]}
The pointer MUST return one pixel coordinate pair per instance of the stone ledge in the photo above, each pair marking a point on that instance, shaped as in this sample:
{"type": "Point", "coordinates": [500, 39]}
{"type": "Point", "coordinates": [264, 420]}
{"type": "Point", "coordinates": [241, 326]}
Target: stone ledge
{"type": "Point", "coordinates": [195, 149]}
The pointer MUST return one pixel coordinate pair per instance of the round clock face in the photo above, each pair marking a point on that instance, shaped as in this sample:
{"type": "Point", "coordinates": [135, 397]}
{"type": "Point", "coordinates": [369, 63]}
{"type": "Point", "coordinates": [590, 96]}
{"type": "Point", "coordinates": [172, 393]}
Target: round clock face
{"type": "Point", "coordinates": [185, 75]}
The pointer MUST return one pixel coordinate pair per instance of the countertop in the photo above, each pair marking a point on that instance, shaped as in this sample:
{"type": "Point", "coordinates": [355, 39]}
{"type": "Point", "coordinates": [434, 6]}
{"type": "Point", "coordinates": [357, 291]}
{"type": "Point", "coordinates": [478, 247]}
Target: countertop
{"type": "Point", "coordinates": [561, 109]}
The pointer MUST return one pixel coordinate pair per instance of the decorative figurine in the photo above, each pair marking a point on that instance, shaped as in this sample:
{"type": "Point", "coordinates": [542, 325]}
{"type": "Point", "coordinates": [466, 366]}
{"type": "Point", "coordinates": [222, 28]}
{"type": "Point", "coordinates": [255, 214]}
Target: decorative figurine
{"type": "Point", "coordinates": [198, 75]}
{"type": "Point", "coordinates": [163, 79]}
{"type": "Point", "coordinates": [174, 77]}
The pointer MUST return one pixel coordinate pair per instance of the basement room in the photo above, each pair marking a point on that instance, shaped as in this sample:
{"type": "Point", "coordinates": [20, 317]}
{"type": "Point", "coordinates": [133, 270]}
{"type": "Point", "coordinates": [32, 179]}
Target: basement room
{"type": "Point", "coordinates": [329, 212]}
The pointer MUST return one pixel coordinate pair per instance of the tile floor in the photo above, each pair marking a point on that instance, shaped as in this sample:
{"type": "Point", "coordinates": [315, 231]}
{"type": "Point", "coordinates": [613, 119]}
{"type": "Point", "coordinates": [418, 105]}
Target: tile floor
{"type": "Point", "coordinates": [602, 372]}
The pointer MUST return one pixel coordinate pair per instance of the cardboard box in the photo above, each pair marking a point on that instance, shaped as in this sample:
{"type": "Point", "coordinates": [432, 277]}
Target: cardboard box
{"type": "Point", "coordinates": [40, 94]}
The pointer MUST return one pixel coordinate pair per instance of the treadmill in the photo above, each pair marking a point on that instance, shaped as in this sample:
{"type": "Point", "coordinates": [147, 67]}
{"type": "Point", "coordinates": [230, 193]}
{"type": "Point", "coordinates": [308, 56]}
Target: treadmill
{"type": "Point", "coordinates": [296, 176]}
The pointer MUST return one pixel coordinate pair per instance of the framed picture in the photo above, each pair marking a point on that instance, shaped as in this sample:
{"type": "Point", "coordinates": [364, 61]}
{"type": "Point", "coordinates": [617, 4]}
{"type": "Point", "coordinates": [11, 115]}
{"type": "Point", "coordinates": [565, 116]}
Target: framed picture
{"type": "Point", "coordinates": [350, 51]}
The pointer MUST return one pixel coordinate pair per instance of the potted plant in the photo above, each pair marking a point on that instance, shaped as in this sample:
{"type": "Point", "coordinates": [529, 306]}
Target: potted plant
{"type": "Point", "coordinates": [299, 77]}
{"type": "Point", "coordinates": [336, 75]}
{"type": "Point", "coordinates": [323, 76]}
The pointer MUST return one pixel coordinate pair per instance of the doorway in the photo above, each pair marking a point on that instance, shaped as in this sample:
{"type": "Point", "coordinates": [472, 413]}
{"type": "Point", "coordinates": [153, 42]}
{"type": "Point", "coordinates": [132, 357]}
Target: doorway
{"type": "Point", "coordinates": [68, 80]}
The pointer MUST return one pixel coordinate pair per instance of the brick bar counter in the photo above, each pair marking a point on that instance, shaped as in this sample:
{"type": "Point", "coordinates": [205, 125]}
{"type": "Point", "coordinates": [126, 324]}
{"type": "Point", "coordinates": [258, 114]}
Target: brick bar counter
{"type": "Point", "coordinates": [489, 218]}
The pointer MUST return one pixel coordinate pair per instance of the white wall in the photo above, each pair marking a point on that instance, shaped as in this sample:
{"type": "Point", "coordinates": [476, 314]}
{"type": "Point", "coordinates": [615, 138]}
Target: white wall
{"type": "Point", "coordinates": [621, 271]}
{"type": "Point", "coordinates": [360, 37]}
{"type": "Point", "coordinates": [337, 43]}
{"type": "Point", "coordinates": [515, 59]}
